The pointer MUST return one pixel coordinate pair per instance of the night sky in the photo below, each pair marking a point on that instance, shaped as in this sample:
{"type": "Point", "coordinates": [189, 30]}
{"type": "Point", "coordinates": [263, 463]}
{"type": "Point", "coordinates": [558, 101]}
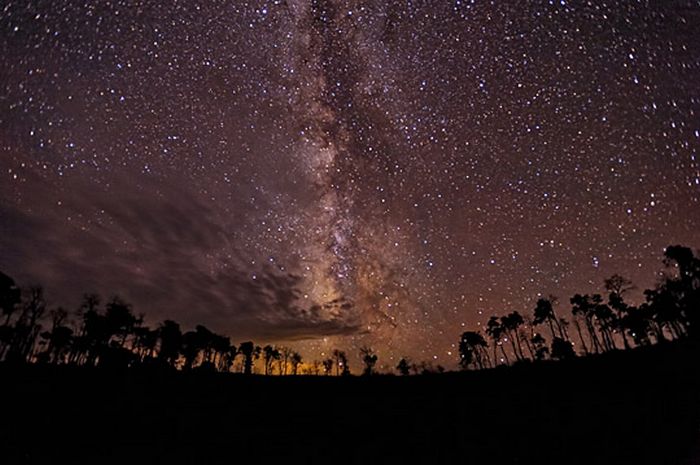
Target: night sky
{"type": "Point", "coordinates": [328, 174]}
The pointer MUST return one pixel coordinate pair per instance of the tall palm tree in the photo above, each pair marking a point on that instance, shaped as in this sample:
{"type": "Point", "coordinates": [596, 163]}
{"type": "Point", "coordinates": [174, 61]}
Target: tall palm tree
{"type": "Point", "coordinates": [285, 354]}
{"type": "Point", "coordinates": [544, 312]}
{"type": "Point", "coordinates": [577, 325]}
{"type": "Point", "coordinates": [584, 306]}
{"type": "Point", "coordinates": [269, 355]}
{"type": "Point", "coordinates": [250, 352]}
{"type": "Point", "coordinates": [606, 320]}
{"type": "Point", "coordinates": [221, 346]}
{"type": "Point", "coordinates": [526, 334]}
{"type": "Point", "coordinates": [471, 347]}
{"type": "Point", "coordinates": [227, 358]}
{"type": "Point", "coordinates": [617, 286]}
{"type": "Point", "coordinates": [510, 324]}
{"type": "Point", "coordinates": [495, 331]}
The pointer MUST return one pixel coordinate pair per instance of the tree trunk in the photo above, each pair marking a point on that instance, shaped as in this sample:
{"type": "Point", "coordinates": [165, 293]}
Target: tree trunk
{"type": "Point", "coordinates": [515, 350]}
{"type": "Point", "coordinates": [594, 338]}
{"type": "Point", "coordinates": [610, 336]}
{"type": "Point", "coordinates": [529, 349]}
{"type": "Point", "coordinates": [625, 342]}
{"type": "Point", "coordinates": [580, 335]}
{"type": "Point", "coordinates": [561, 331]}
{"type": "Point", "coordinates": [505, 355]}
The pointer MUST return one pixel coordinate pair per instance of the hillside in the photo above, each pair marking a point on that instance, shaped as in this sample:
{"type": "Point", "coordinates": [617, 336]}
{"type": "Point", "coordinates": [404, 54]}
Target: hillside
{"type": "Point", "coordinates": [639, 406]}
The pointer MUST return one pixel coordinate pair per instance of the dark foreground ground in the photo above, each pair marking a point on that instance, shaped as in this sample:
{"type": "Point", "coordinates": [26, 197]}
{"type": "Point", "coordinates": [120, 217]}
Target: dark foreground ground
{"type": "Point", "coordinates": [637, 407]}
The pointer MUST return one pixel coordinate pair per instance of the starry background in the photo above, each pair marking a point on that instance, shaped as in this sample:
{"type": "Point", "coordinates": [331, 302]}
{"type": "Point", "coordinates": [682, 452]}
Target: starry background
{"type": "Point", "coordinates": [346, 173]}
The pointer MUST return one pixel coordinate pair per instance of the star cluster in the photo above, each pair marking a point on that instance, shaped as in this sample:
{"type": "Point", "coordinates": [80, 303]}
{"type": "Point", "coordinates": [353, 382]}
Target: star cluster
{"type": "Point", "coordinates": [346, 173]}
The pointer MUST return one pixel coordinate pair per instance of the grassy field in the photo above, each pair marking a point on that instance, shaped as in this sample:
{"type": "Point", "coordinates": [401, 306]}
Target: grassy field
{"type": "Point", "coordinates": [639, 406]}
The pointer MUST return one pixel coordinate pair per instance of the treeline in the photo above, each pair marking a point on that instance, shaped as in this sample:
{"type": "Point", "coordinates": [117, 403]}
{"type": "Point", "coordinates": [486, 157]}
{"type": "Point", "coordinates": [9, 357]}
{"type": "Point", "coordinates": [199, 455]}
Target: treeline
{"type": "Point", "coordinates": [113, 336]}
{"type": "Point", "coordinates": [596, 323]}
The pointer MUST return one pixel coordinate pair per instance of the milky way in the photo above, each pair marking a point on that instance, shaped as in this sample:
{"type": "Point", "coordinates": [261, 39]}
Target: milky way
{"type": "Point", "coordinates": [341, 174]}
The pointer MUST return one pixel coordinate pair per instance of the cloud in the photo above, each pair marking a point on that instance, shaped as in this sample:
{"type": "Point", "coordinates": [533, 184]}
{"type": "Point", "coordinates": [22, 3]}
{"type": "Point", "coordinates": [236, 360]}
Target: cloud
{"type": "Point", "coordinates": [162, 249]}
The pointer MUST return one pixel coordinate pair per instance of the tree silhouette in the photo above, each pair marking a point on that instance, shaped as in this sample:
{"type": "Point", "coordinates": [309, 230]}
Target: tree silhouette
{"type": "Point", "coordinates": [81, 344]}
{"type": "Point", "coordinates": [577, 325]}
{"type": "Point", "coordinates": [564, 328]}
{"type": "Point", "coordinates": [250, 352]}
{"type": "Point", "coordinates": [510, 324]}
{"type": "Point", "coordinates": [227, 357]}
{"type": "Point", "coordinates": [663, 308]}
{"type": "Point", "coordinates": [638, 325]}
{"type": "Point", "coordinates": [170, 338]}
{"type": "Point", "coordinates": [58, 338]}
{"type": "Point", "coordinates": [341, 362]}
{"type": "Point", "coordinates": [27, 327]}
{"type": "Point", "coordinates": [119, 320]}
{"type": "Point", "coordinates": [95, 333]}
{"type": "Point", "coordinates": [116, 337]}
{"type": "Point", "coordinates": [224, 353]}
{"type": "Point", "coordinates": [191, 348]}
{"type": "Point", "coordinates": [404, 367]}
{"type": "Point", "coordinates": [269, 355]}
{"type": "Point", "coordinates": [327, 366]}
{"type": "Point", "coordinates": [207, 340]}
{"type": "Point", "coordinates": [688, 265]}
{"type": "Point", "coordinates": [495, 331]}
{"type": "Point", "coordinates": [562, 349]}
{"type": "Point", "coordinates": [369, 358]}
{"type": "Point", "coordinates": [526, 334]}
{"type": "Point", "coordinates": [544, 312]}
{"type": "Point", "coordinates": [285, 354]}
{"type": "Point", "coordinates": [144, 341]}
{"type": "Point", "coordinates": [584, 306]}
{"type": "Point", "coordinates": [10, 297]}
{"type": "Point", "coordinates": [617, 286]}
{"type": "Point", "coordinates": [295, 360]}
{"type": "Point", "coordinates": [606, 320]}
{"type": "Point", "coordinates": [539, 344]}
{"type": "Point", "coordinates": [472, 346]}
{"type": "Point", "coordinates": [682, 284]}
